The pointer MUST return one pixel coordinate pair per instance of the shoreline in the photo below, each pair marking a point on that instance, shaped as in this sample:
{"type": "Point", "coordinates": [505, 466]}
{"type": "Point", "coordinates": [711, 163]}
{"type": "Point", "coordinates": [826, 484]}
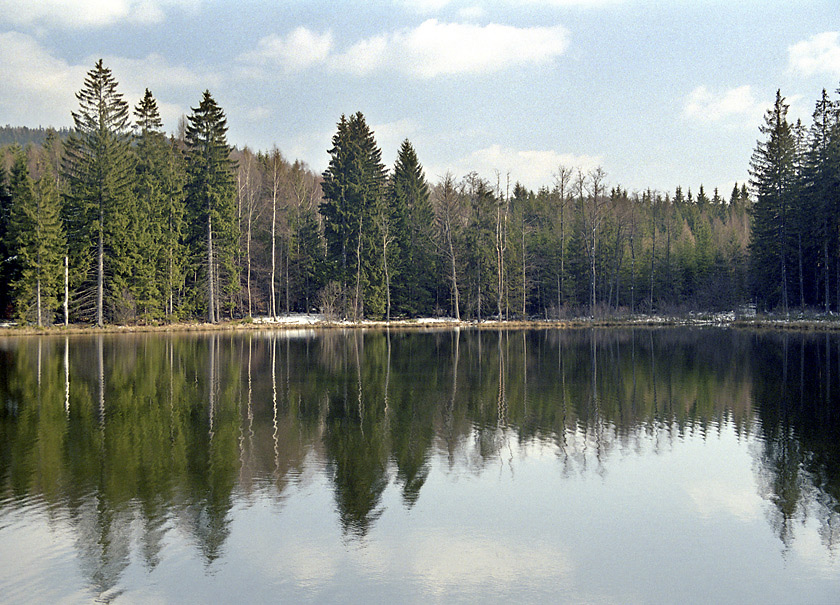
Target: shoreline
{"type": "Point", "coordinates": [312, 322]}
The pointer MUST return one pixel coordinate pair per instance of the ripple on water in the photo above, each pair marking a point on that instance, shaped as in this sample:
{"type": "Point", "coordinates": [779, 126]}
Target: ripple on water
{"type": "Point", "coordinates": [38, 545]}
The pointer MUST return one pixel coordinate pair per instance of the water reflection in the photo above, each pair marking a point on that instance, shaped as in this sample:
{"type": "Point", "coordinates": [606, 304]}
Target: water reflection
{"type": "Point", "coordinates": [130, 438]}
{"type": "Point", "coordinates": [799, 467]}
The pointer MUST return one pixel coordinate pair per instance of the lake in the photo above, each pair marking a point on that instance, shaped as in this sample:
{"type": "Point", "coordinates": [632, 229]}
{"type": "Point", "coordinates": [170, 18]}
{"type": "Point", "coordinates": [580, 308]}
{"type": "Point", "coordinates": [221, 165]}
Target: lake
{"type": "Point", "coordinates": [582, 466]}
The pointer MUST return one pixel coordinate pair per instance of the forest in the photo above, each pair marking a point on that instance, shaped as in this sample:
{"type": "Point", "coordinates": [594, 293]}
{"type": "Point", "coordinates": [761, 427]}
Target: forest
{"type": "Point", "coordinates": [114, 221]}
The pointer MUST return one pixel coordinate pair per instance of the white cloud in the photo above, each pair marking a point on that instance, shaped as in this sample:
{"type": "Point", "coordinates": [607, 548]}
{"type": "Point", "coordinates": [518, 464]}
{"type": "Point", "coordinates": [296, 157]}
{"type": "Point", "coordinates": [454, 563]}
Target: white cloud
{"type": "Point", "coordinates": [435, 48]}
{"type": "Point", "coordinates": [446, 560]}
{"type": "Point", "coordinates": [389, 136]}
{"type": "Point", "coordinates": [713, 498]}
{"type": "Point", "coordinates": [154, 72]}
{"type": "Point", "coordinates": [300, 49]}
{"type": "Point", "coordinates": [393, 133]}
{"type": "Point", "coordinates": [703, 105]}
{"type": "Point", "coordinates": [532, 168]}
{"type": "Point", "coordinates": [431, 49]}
{"type": "Point", "coordinates": [819, 54]}
{"type": "Point", "coordinates": [37, 87]}
{"type": "Point", "coordinates": [88, 13]}
{"type": "Point", "coordinates": [366, 56]}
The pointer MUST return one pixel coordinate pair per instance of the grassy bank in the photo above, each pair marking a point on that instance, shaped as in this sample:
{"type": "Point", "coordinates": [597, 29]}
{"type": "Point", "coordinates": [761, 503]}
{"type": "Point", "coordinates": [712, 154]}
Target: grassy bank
{"type": "Point", "coordinates": [808, 324]}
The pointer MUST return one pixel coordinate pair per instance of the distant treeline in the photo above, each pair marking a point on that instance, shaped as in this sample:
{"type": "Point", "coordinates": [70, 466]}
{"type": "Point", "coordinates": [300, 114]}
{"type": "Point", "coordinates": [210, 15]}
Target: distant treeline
{"type": "Point", "coordinates": [22, 135]}
{"type": "Point", "coordinates": [156, 228]}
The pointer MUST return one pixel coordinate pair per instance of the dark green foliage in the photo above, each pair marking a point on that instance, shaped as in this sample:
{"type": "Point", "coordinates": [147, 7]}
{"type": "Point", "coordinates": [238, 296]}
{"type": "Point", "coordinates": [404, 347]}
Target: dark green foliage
{"type": "Point", "coordinates": [353, 209]}
{"type": "Point", "coordinates": [308, 261]}
{"type": "Point", "coordinates": [818, 202]}
{"type": "Point", "coordinates": [211, 202]}
{"type": "Point", "coordinates": [478, 246]}
{"type": "Point", "coordinates": [411, 256]}
{"type": "Point", "coordinates": [37, 243]}
{"type": "Point", "coordinates": [99, 169]}
{"type": "Point", "coordinates": [158, 214]}
{"type": "Point", "coordinates": [7, 263]}
{"type": "Point", "coordinates": [774, 178]}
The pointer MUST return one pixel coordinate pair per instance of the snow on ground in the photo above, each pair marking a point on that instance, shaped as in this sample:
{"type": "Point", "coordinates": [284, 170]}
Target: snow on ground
{"type": "Point", "coordinates": [302, 319]}
{"type": "Point", "coordinates": [433, 320]}
{"type": "Point", "coordinates": [294, 319]}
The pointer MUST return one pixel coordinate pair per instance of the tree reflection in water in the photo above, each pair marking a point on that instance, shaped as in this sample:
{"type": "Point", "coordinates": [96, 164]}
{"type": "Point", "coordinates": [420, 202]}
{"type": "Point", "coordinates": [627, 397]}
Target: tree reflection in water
{"type": "Point", "coordinates": [170, 431]}
{"type": "Point", "coordinates": [799, 467]}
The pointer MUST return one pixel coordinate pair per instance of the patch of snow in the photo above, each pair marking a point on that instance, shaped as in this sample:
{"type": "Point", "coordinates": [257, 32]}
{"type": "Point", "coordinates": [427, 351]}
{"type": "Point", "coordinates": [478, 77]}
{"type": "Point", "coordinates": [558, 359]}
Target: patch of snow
{"type": "Point", "coordinates": [434, 320]}
{"type": "Point", "coordinates": [295, 319]}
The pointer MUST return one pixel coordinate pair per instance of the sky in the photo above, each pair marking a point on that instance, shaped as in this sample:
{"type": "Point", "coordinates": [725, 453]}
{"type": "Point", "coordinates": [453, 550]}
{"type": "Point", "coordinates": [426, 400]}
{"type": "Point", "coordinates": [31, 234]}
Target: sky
{"type": "Point", "coordinates": [658, 93]}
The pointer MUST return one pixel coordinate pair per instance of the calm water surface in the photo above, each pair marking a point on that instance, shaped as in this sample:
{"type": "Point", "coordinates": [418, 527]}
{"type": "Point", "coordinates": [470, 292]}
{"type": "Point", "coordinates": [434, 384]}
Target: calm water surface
{"type": "Point", "coordinates": [622, 466]}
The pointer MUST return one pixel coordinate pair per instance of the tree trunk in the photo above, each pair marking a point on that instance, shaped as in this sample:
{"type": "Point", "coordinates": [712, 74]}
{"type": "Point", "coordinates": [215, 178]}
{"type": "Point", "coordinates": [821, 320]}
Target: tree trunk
{"type": "Point", "coordinates": [801, 277]}
{"type": "Point", "coordinates": [562, 254]}
{"type": "Point", "coordinates": [387, 278]}
{"type": "Point", "coordinates": [286, 289]}
{"type": "Point", "coordinates": [211, 293]}
{"type": "Point", "coordinates": [38, 300]}
{"type": "Point", "coordinates": [632, 271]}
{"type": "Point", "coordinates": [592, 273]}
{"type": "Point", "coordinates": [524, 289]}
{"type": "Point", "coordinates": [478, 298]}
{"type": "Point", "coordinates": [100, 275]}
{"type": "Point", "coordinates": [827, 274]}
{"type": "Point", "coordinates": [782, 246]}
{"type": "Point", "coordinates": [66, 290]}
{"type": "Point", "coordinates": [668, 278]}
{"type": "Point", "coordinates": [248, 259]}
{"type": "Point", "coordinates": [358, 274]}
{"type": "Point", "coordinates": [454, 279]}
{"type": "Point", "coordinates": [652, 260]}
{"type": "Point", "coordinates": [273, 303]}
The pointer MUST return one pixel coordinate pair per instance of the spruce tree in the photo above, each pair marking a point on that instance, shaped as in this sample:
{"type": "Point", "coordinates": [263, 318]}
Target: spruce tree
{"type": "Point", "coordinates": [412, 220]}
{"type": "Point", "coordinates": [39, 242]}
{"type": "Point", "coordinates": [819, 194]}
{"type": "Point", "coordinates": [211, 198]}
{"type": "Point", "coordinates": [772, 169]}
{"type": "Point", "coordinates": [99, 169]}
{"type": "Point", "coordinates": [354, 188]}
{"type": "Point", "coordinates": [7, 263]}
{"type": "Point", "coordinates": [159, 213]}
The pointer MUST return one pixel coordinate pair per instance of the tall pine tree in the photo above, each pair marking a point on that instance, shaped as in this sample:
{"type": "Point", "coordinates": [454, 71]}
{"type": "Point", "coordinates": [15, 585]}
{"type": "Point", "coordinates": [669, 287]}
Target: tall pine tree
{"type": "Point", "coordinates": [772, 169]}
{"type": "Point", "coordinates": [7, 263]}
{"type": "Point", "coordinates": [411, 217]}
{"type": "Point", "coordinates": [39, 242]}
{"type": "Point", "coordinates": [159, 213]}
{"type": "Point", "coordinates": [99, 169]}
{"type": "Point", "coordinates": [819, 193]}
{"type": "Point", "coordinates": [354, 188]}
{"type": "Point", "coordinates": [211, 198]}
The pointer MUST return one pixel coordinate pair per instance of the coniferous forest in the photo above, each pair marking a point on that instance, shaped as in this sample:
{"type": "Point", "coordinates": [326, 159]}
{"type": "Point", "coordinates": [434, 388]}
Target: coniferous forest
{"type": "Point", "coordinates": [117, 222]}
